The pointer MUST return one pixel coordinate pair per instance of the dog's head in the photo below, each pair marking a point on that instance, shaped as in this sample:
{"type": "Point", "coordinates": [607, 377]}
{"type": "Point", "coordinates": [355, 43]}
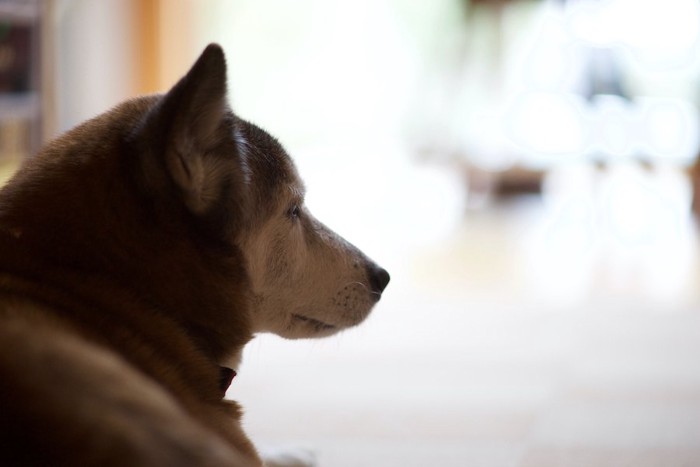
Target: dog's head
{"type": "Point", "coordinates": [305, 280]}
{"type": "Point", "coordinates": [175, 200]}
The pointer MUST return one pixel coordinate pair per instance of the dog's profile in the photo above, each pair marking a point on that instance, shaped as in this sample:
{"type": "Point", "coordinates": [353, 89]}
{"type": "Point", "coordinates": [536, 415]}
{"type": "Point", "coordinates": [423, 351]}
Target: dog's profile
{"type": "Point", "coordinates": [139, 253]}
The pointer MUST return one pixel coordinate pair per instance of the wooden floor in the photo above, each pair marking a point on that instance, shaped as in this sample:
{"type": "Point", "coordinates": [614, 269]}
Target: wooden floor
{"type": "Point", "coordinates": [534, 335]}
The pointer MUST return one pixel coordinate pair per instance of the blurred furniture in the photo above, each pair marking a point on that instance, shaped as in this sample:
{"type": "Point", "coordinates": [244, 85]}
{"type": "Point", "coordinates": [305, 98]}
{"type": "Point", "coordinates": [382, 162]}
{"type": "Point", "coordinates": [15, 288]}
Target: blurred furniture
{"type": "Point", "coordinates": [24, 92]}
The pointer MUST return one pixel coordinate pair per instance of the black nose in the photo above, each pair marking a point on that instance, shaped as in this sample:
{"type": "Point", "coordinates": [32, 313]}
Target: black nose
{"type": "Point", "coordinates": [378, 278]}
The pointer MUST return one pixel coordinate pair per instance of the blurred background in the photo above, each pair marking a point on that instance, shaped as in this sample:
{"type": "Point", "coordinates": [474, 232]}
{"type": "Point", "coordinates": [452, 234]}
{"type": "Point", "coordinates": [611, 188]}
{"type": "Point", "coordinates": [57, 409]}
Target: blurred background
{"type": "Point", "coordinates": [526, 171]}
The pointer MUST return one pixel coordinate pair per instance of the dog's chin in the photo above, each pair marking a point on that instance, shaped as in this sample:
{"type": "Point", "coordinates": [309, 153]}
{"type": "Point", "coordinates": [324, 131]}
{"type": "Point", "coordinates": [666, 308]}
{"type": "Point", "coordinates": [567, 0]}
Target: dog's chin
{"type": "Point", "coordinates": [302, 326]}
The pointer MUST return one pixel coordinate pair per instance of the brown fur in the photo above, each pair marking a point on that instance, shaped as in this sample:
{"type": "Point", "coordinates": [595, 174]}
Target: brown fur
{"type": "Point", "coordinates": [119, 293]}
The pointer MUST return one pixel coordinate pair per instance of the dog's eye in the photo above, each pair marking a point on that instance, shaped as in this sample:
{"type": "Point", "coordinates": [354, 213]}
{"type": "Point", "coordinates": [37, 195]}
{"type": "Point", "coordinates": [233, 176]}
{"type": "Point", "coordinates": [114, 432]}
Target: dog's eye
{"type": "Point", "coordinates": [294, 212]}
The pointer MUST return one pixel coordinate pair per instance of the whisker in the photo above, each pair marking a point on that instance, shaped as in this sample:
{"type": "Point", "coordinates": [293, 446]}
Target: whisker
{"type": "Point", "coordinates": [357, 283]}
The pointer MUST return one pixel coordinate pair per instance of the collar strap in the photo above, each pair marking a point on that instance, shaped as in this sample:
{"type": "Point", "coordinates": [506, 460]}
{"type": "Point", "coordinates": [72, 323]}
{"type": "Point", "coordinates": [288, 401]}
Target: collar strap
{"type": "Point", "coordinates": [226, 375]}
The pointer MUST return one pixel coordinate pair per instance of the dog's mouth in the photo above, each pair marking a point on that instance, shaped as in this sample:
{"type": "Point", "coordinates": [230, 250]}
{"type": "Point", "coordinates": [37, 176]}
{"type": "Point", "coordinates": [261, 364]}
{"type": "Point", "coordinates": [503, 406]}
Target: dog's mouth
{"type": "Point", "coordinates": [318, 325]}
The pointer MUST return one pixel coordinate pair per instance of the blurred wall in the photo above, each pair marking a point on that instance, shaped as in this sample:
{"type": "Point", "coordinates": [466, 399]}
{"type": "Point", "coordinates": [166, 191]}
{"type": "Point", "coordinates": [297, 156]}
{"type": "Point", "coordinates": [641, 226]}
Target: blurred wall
{"type": "Point", "coordinates": [94, 61]}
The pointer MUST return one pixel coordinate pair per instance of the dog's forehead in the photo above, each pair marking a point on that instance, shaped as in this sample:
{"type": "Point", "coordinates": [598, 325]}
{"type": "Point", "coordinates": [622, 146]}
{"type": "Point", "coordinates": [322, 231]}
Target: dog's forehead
{"type": "Point", "coordinates": [268, 165]}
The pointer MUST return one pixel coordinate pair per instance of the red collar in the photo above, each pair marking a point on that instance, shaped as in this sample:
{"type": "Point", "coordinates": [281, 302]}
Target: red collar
{"type": "Point", "coordinates": [226, 375]}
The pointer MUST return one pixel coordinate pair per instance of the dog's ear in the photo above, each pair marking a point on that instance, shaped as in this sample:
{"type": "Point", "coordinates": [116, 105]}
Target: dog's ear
{"type": "Point", "coordinates": [189, 125]}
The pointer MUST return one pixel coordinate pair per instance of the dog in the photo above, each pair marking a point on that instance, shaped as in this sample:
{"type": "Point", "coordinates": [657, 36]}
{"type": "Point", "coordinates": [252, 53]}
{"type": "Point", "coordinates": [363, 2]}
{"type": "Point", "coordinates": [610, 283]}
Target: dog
{"type": "Point", "coordinates": [139, 253]}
